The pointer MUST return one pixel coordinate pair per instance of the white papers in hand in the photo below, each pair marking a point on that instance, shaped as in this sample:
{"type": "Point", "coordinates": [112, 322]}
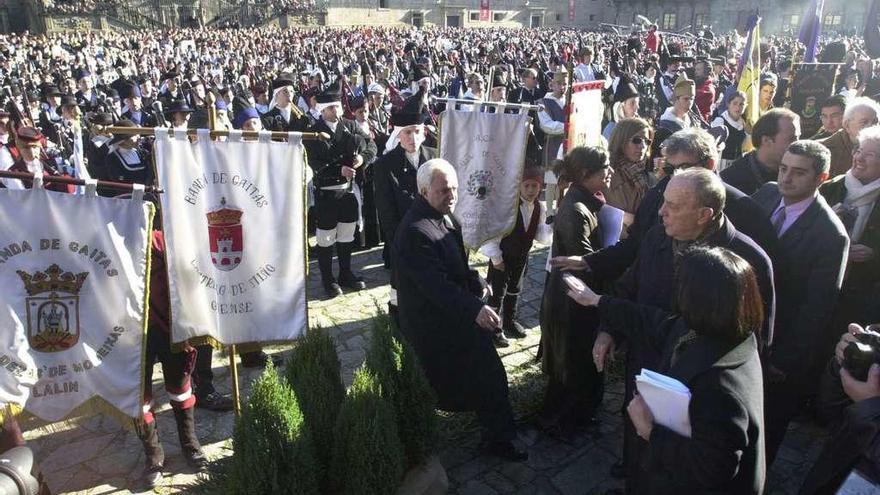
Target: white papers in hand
{"type": "Point", "coordinates": [667, 398]}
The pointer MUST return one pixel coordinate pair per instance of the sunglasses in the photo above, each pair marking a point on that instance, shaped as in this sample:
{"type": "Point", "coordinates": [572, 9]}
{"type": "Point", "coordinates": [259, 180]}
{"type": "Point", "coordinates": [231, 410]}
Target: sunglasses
{"type": "Point", "coordinates": [640, 140]}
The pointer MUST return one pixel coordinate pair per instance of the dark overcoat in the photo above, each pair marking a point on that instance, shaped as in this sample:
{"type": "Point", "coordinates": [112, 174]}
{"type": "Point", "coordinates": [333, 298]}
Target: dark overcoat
{"type": "Point", "coordinates": [725, 452]}
{"type": "Point", "coordinates": [567, 328]}
{"type": "Point", "coordinates": [438, 298]}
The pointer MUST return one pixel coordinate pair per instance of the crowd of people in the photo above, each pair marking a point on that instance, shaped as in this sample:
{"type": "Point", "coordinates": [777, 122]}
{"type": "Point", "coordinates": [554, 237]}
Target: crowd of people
{"type": "Point", "coordinates": [79, 7]}
{"type": "Point", "coordinates": [743, 261]}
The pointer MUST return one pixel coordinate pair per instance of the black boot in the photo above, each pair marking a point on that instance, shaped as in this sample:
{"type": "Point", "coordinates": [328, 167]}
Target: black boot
{"type": "Point", "coordinates": [347, 278]}
{"type": "Point", "coordinates": [325, 265]}
{"type": "Point", "coordinates": [498, 336]}
{"type": "Point", "coordinates": [189, 443]}
{"type": "Point", "coordinates": [155, 456]}
{"type": "Point", "coordinates": [511, 327]}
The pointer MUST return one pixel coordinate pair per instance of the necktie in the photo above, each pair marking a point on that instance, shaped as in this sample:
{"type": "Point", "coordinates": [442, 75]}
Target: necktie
{"type": "Point", "coordinates": [779, 221]}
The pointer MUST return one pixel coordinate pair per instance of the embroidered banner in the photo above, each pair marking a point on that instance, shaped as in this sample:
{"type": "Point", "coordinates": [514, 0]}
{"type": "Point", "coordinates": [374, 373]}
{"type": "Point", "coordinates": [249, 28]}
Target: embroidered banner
{"type": "Point", "coordinates": [73, 302]}
{"type": "Point", "coordinates": [585, 117]}
{"type": "Point", "coordinates": [488, 152]}
{"type": "Point", "coordinates": [234, 222]}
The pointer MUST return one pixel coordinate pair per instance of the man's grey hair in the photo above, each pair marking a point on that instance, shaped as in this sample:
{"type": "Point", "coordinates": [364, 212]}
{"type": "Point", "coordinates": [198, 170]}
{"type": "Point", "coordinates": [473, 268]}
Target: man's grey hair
{"type": "Point", "coordinates": [431, 168]}
{"type": "Point", "coordinates": [861, 103]}
{"type": "Point", "coordinates": [693, 141]}
{"type": "Point", "coordinates": [814, 150]}
{"type": "Point", "coordinates": [870, 134]}
{"type": "Point", "coordinates": [708, 187]}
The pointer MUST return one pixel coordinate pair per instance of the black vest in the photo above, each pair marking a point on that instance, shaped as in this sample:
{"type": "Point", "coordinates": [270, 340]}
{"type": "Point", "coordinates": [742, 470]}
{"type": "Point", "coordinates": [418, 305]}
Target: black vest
{"type": "Point", "coordinates": [516, 245]}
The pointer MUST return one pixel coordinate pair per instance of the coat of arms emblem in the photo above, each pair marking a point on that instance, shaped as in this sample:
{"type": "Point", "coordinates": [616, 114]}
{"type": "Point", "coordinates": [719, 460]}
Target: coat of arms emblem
{"type": "Point", "coordinates": [225, 236]}
{"type": "Point", "coordinates": [52, 308]}
{"type": "Point", "coordinates": [480, 184]}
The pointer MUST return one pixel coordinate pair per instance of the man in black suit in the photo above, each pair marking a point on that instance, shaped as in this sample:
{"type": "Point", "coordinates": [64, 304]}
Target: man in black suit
{"type": "Point", "coordinates": [335, 163]}
{"type": "Point", "coordinates": [442, 314]}
{"type": "Point", "coordinates": [810, 262]}
{"type": "Point", "coordinates": [771, 135]}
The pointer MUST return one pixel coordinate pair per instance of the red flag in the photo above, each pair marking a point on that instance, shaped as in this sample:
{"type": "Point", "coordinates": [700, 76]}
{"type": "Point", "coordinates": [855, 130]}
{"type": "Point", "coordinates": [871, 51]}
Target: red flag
{"type": "Point", "coordinates": [484, 10]}
{"type": "Point", "coordinates": [570, 10]}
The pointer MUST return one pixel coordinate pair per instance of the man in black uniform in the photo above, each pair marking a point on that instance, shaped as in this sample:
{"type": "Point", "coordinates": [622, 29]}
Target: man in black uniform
{"type": "Point", "coordinates": [394, 175]}
{"type": "Point", "coordinates": [134, 111]}
{"type": "Point", "coordinates": [283, 114]}
{"type": "Point", "coordinates": [334, 163]}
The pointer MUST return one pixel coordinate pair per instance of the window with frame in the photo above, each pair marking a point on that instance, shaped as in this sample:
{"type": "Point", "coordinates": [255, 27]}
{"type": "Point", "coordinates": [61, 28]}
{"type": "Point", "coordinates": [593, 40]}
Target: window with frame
{"type": "Point", "coordinates": [558, 17]}
{"type": "Point", "coordinates": [833, 20]}
{"type": "Point", "coordinates": [669, 20]}
{"type": "Point", "coordinates": [701, 20]}
{"type": "Point", "coordinates": [475, 16]}
{"type": "Point", "coordinates": [498, 16]}
{"type": "Point", "coordinates": [791, 20]}
{"type": "Point", "coordinates": [383, 4]}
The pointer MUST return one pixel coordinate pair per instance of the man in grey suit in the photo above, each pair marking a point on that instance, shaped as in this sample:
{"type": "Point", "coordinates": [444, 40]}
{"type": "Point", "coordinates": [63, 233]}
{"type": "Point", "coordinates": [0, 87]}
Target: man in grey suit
{"type": "Point", "coordinates": [809, 268]}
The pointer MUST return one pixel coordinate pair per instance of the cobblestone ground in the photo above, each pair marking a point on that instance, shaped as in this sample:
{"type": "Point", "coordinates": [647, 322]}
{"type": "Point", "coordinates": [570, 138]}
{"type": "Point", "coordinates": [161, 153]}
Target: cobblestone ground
{"type": "Point", "coordinates": [97, 456]}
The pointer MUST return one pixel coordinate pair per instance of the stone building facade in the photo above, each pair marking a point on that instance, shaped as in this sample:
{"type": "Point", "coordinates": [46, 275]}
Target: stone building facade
{"type": "Point", "coordinates": [779, 16]}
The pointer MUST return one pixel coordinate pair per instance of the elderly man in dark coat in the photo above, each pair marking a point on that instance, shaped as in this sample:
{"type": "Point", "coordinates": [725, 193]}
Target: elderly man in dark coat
{"type": "Point", "coordinates": [442, 314]}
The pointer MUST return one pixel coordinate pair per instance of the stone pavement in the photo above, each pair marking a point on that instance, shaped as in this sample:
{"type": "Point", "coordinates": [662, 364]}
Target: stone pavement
{"type": "Point", "coordinates": [97, 456]}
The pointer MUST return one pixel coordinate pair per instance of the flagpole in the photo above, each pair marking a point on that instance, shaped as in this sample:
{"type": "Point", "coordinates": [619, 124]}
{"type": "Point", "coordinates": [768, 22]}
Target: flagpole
{"type": "Point", "coordinates": [233, 365]}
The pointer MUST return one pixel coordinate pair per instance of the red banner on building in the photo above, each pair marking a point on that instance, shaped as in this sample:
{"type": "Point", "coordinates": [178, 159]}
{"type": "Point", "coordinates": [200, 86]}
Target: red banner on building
{"type": "Point", "coordinates": [484, 10]}
{"type": "Point", "coordinates": [570, 10]}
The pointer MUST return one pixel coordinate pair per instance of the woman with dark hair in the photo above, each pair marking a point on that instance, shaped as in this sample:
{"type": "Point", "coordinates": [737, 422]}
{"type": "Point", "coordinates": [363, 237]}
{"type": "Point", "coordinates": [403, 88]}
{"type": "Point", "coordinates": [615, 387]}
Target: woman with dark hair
{"type": "Point", "coordinates": [709, 344]}
{"type": "Point", "coordinates": [630, 148]}
{"type": "Point", "coordinates": [575, 387]}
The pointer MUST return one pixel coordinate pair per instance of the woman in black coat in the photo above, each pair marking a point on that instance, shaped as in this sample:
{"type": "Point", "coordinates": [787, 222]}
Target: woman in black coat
{"type": "Point", "coordinates": [710, 346]}
{"type": "Point", "coordinates": [575, 387]}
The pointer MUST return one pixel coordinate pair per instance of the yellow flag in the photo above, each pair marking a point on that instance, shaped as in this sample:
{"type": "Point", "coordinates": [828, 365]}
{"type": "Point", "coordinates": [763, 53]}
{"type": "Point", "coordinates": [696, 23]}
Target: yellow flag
{"type": "Point", "coordinates": [750, 75]}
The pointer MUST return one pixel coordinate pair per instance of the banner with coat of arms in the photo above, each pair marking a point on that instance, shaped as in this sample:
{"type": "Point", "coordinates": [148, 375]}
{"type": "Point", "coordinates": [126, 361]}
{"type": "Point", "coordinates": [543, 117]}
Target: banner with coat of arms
{"type": "Point", "coordinates": [234, 221]}
{"type": "Point", "coordinates": [488, 152]}
{"type": "Point", "coordinates": [73, 278]}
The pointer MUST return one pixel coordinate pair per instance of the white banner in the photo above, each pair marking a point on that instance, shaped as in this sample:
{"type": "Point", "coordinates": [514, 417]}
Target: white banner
{"type": "Point", "coordinates": [234, 221]}
{"type": "Point", "coordinates": [488, 151]}
{"type": "Point", "coordinates": [72, 279]}
{"type": "Point", "coordinates": [585, 121]}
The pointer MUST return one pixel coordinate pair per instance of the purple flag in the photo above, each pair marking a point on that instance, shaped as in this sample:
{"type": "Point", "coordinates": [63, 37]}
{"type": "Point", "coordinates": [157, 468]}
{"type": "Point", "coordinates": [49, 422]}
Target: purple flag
{"type": "Point", "coordinates": [811, 28]}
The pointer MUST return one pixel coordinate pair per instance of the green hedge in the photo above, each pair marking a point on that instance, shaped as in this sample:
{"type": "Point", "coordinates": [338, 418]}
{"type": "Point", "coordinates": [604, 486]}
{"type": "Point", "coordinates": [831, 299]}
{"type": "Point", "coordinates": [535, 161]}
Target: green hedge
{"type": "Point", "coordinates": [405, 386]}
{"type": "Point", "coordinates": [313, 372]}
{"type": "Point", "coordinates": [367, 453]}
{"type": "Point", "coordinates": [274, 453]}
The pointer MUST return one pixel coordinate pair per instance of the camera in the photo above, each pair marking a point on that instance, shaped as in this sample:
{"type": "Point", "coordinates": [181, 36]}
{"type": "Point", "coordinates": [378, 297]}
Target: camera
{"type": "Point", "coordinates": [859, 356]}
{"type": "Point", "coordinates": [16, 476]}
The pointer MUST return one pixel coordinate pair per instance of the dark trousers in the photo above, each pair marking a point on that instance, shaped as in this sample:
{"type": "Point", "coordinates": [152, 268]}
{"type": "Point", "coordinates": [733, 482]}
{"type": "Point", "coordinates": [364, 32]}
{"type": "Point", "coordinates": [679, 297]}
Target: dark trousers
{"type": "Point", "coordinates": [177, 369]}
{"type": "Point", "coordinates": [333, 207]}
{"type": "Point", "coordinates": [372, 233]}
{"type": "Point", "coordinates": [507, 281]}
{"type": "Point", "coordinates": [203, 376]}
{"type": "Point", "coordinates": [782, 401]}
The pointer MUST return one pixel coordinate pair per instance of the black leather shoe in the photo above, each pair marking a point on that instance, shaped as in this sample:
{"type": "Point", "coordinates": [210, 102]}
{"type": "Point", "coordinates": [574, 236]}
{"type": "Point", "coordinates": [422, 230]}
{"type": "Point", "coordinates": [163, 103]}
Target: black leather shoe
{"type": "Point", "coordinates": [499, 340]}
{"type": "Point", "coordinates": [618, 470]}
{"type": "Point", "coordinates": [215, 401]}
{"type": "Point", "coordinates": [350, 281]}
{"type": "Point", "coordinates": [514, 330]}
{"type": "Point", "coordinates": [508, 451]}
{"type": "Point", "coordinates": [332, 289]}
